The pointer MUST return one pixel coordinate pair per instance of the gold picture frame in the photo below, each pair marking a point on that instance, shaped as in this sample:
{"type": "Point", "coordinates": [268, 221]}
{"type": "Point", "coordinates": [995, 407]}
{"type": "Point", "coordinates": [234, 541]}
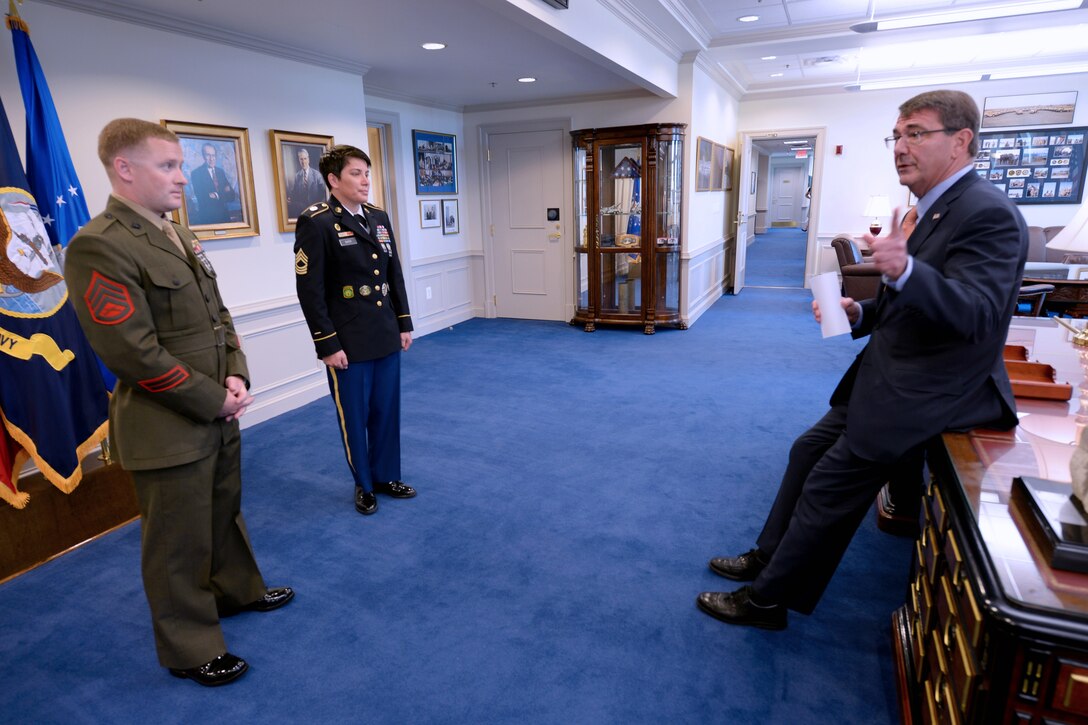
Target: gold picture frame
{"type": "Point", "coordinates": [218, 201]}
{"type": "Point", "coordinates": [298, 180]}
{"type": "Point", "coordinates": [704, 150]}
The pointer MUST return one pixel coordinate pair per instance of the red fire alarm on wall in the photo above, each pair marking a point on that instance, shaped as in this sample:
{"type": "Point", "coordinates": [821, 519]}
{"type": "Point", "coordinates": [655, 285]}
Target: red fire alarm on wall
{"type": "Point", "coordinates": [838, 150]}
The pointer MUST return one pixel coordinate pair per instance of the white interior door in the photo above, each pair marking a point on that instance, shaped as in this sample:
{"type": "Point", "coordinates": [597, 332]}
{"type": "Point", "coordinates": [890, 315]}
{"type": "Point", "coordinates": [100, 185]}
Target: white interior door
{"type": "Point", "coordinates": [525, 181]}
{"type": "Point", "coordinates": [787, 188]}
{"type": "Point", "coordinates": [745, 199]}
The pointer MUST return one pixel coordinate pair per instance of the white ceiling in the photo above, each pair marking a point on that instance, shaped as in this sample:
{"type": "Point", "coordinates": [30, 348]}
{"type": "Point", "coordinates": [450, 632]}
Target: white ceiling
{"type": "Point", "coordinates": [491, 42]}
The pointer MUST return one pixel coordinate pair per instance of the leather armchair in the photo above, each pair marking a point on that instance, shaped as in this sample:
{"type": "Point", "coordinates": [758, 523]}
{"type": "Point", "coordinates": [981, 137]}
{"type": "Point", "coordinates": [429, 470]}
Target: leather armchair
{"type": "Point", "coordinates": [860, 279]}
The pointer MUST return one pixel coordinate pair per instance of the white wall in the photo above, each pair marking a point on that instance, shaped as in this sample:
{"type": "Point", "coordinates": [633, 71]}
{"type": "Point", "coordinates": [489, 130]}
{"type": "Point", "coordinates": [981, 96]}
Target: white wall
{"type": "Point", "coordinates": [99, 69]}
{"type": "Point", "coordinates": [860, 121]}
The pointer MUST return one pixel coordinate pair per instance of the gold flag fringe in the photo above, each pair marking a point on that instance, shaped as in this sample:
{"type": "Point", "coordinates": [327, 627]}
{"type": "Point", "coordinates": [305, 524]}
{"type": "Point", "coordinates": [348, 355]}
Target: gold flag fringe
{"type": "Point", "coordinates": [14, 21]}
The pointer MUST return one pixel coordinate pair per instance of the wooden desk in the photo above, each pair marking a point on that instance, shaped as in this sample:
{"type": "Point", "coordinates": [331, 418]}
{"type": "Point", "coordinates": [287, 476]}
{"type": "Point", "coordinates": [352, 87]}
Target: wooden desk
{"type": "Point", "coordinates": [1070, 296]}
{"type": "Point", "coordinates": [990, 632]}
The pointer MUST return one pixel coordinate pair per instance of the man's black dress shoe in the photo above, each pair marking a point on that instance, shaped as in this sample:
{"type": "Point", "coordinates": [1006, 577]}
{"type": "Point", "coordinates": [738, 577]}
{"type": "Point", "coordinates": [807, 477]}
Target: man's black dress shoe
{"type": "Point", "coordinates": [737, 608]}
{"type": "Point", "coordinates": [366, 502]}
{"type": "Point", "coordinates": [396, 489]}
{"type": "Point", "coordinates": [273, 599]}
{"type": "Point", "coordinates": [743, 568]}
{"type": "Point", "coordinates": [223, 669]}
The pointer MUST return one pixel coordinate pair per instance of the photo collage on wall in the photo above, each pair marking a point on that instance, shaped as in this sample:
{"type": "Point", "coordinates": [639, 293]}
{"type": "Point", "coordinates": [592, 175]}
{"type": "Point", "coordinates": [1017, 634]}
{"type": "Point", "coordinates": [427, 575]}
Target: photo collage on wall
{"type": "Point", "coordinates": [1040, 166]}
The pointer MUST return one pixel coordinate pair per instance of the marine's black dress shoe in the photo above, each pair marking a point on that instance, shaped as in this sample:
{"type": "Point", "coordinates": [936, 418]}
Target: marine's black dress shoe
{"type": "Point", "coordinates": [366, 502]}
{"type": "Point", "coordinates": [737, 608]}
{"type": "Point", "coordinates": [223, 669]}
{"type": "Point", "coordinates": [272, 599]}
{"type": "Point", "coordinates": [395, 489]}
{"type": "Point", "coordinates": [743, 568]}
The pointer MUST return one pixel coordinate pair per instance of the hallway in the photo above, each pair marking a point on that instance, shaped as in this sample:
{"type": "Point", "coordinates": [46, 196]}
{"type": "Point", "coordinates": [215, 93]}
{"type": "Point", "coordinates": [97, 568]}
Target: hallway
{"type": "Point", "coordinates": [777, 259]}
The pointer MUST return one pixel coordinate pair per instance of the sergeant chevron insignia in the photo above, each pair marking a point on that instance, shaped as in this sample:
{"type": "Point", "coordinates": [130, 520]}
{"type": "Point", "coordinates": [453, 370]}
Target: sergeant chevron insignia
{"type": "Point", "coordinates": [302, 263]}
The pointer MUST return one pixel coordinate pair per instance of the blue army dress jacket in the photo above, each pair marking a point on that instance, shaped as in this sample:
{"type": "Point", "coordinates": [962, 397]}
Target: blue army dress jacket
{"type": "Point", "coordinates": [349, 282]}
{"type": "Point", "coordinates": [154, 315]}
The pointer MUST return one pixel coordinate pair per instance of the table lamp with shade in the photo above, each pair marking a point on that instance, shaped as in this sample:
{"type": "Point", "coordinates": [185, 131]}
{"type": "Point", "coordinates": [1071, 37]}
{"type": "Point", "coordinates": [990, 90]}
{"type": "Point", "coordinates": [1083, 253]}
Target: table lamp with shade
{"type": "Point", "coordinates": [877, 207]}
{"type": "Point", "coordinates": [1073, 238]}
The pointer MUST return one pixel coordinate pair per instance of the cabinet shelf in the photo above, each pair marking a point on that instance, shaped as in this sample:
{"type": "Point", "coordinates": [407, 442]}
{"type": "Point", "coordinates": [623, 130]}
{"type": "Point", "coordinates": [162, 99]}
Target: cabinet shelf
{"type": "Point", "coordinates": [628, 186]}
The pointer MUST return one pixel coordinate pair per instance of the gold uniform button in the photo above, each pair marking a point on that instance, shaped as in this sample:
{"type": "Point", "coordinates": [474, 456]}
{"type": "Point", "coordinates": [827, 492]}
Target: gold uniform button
{"type": "Point", "coordinates": [376, 273]}
{"type": "Point", "coordinates": [373, 256]}
{"type": "Point", "coordinates": [379, 303]}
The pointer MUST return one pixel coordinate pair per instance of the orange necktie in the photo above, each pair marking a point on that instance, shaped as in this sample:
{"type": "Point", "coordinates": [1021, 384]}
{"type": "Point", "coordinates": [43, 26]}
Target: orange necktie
{"type": "Point", "coordinates": [910, 220]}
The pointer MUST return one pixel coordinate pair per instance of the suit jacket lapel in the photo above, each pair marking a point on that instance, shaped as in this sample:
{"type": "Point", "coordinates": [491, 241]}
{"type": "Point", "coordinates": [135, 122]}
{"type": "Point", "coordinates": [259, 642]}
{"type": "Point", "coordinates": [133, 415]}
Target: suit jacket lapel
{"type": "Point", "coordinates": [348, 220]}
{"type": "Point", "coordinates": [926, 226]}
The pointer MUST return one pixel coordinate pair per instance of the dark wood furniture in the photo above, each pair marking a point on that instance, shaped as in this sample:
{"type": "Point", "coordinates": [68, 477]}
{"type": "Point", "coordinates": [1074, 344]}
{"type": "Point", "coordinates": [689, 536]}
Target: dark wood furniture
{"type": "Point", "coordinates": [991, 633]}
{"type": "Point", "coordinates": [54, 522]}
{"type": "Point", "coordinates": [628, 182]}
{"type": "Point", "coordinates": [1070, 296]}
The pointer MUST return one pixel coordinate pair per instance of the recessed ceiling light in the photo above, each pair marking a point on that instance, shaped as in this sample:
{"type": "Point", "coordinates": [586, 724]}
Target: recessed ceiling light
{"type": "Point", "coordinates": [960, 15]}
{"type": "Point", "coordinates": [769, 57]}
{"type": "Point", "coordinates": [776, 75]}
{"type": "Point", "coordinates": [747, 18]}
{"type": "Point", "coordinates": [526, 79]}
{"type": "Point", "coordinates": [433, 46]}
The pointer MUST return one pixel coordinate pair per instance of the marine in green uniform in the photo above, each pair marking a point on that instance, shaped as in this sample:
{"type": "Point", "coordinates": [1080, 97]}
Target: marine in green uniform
{"type": "Point", "coordinates": [146, 296]}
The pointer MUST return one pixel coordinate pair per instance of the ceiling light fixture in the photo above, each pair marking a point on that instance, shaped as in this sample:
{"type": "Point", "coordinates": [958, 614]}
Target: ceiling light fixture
{"type": "Point", "coordinates": [747, 18]}
{"type": "Point", "coordinates": [433, 46]}
{"type": "Point", "coordinates": [967, 14]}
{"type": "Point", "coordinates": [916, 81]}
{"type": "Point", "coordinates": [776, 75]}
{"type": "Point", "coordinates": [526, 79]}
{"type": "Point", "coordinates": [769, 57]}
{"type": "Point", "coordinates": [800, 142]}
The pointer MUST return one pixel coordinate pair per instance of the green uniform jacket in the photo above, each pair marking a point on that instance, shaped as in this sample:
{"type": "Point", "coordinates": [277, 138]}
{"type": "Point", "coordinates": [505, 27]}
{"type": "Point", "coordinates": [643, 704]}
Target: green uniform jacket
{"type": "Point", "coordinates": [155, 317]}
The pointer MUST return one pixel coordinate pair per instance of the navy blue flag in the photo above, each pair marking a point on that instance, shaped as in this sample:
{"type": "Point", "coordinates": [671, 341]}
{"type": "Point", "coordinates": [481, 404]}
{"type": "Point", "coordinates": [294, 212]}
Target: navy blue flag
{"type": "Point", "coordinates": [53, 402]}
{"type": "Point", "coordinates": [49, 169]}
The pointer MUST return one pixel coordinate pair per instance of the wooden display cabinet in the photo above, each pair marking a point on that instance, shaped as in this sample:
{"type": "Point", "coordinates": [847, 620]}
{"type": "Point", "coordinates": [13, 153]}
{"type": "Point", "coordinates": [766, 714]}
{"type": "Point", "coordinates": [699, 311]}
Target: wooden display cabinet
{"type": "Point", "coordinates": [628, 182]}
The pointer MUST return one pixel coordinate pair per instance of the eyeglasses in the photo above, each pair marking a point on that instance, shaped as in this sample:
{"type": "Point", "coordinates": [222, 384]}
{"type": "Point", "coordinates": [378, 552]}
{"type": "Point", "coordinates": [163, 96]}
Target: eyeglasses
{"type": "Point", "coordinates": [914, 137]}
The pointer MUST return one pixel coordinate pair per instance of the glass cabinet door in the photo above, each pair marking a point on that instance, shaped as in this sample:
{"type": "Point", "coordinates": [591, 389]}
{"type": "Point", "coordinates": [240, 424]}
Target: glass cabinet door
{"type": "Point", "coordinates": [581, 235]}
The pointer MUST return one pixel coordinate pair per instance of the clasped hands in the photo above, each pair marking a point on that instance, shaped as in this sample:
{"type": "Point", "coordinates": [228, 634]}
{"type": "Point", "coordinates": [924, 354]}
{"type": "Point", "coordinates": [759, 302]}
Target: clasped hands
{"type": "Point", "coordinates": [237, 400]}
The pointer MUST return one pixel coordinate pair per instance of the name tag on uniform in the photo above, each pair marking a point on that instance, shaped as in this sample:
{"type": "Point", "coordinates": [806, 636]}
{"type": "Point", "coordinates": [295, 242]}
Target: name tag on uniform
{"type": "Point", "coordinates": [347, 238]}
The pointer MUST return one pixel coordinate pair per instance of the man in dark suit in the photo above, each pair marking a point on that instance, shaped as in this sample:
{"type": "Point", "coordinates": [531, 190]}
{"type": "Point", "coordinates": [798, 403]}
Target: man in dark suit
{"type": "Point", "coordinates": [307, 188]}
{"type": "Point", "coordinates": [149, 304]}
{"type": "Point", "coordinates": [212, 190]}
{"type": "Point", "coordinates": [933, 363]}
{"type": "Point", "coordinates": [351, 288]}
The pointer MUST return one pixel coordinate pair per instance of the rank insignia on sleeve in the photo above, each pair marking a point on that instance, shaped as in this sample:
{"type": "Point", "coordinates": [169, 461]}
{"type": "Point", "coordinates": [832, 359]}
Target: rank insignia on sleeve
{"type": "Point", "coordinates": [172, 378]}
{"type": "Point", "coordinates": [302, 262]}
{"type": "Point", "coordinates": [349, 292]}
{"type": "Point", "coordinates": [108, 302]}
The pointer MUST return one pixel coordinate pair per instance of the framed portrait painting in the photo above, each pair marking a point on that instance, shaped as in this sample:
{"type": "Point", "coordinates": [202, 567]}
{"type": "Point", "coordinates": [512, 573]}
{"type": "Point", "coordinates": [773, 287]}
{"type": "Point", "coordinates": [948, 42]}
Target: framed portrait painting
{"type": "Point", "coordinates": [703, 151]}
{"type": "Point", "coordinates": [218, 200]}
{"type": "Point", "coordinates": [451, 219]}
{"type": "Point", "coordinates": [717, 167]}
{"type": "Point", "coordinates": [435, 162]}
{"type": "Point", "coordinates": [298, 180]}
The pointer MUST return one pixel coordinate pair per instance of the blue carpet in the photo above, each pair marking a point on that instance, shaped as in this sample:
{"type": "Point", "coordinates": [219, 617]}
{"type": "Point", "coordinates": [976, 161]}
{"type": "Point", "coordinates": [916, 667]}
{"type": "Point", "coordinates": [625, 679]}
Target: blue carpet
{"type": "Point", "coordinates": [572, 488]}
{"type": "Point", "coordinates": [776, 259]}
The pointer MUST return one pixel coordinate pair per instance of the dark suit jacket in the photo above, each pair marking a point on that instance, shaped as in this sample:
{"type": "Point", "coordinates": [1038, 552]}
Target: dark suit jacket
{"type": "Point", "coordinates": [934, 358]}
{"type": "Point", "coordinates": [155, 317]}
{"type": "Point", "coordinates": [306, 190]}
{"type": "Point", "coordinates": [209, 210]}
{"type": "Point", "coordinates": [349, 282]}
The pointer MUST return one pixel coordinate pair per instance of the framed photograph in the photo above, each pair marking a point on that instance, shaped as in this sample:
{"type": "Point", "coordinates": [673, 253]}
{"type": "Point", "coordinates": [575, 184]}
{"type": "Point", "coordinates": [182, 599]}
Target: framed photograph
{"type": "Point", "coordinates": [298, 181]}
{"type": "Point", "coordinates": [435, 162]}
{"type": "Point", "coordinates": [218, 201]}
{"type": "Point", "coordinates": [451, 220]}
{"type": "Point", "coordinates": [1036, 109]}
{"type": "Point", "coordinates": [1035, 166]}
{"type": "Point", "coordinates": [428, 213]}
{"type": "Point", "coordinates": [717, 167]}
{"type": "Point", "coordinates": [728, 169]}
{"type": "Point", "coordinates": [703, 152]}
